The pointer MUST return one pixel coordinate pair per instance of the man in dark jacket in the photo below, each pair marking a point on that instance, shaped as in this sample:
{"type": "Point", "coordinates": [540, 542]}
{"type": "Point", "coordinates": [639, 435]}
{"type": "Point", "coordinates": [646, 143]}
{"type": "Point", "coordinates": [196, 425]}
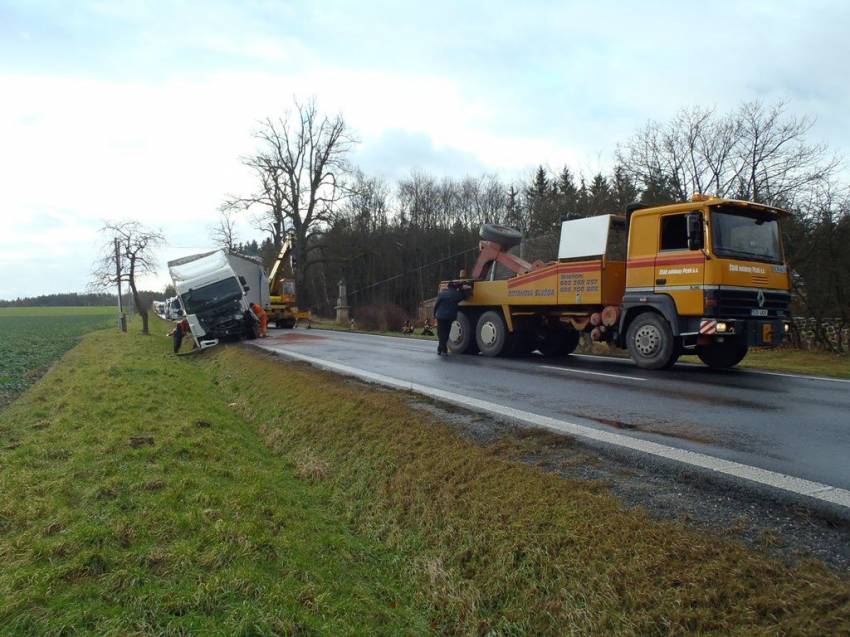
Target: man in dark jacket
{"type": "Point", "coordinates": [445, 311]}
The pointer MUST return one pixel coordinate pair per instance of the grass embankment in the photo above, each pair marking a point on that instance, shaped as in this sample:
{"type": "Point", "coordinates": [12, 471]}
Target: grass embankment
{"type": "Point", "coordinates": [134, 500]}
{"type": "Point", "coordinates": [31, 338]}
{"type": "Point", "coordinates": [799, 361]}
{"type": "Point", "coordinates": [313, 504]}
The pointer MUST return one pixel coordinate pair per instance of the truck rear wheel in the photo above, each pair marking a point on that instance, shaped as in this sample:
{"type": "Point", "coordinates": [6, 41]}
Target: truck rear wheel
{"type": "Point", "coordinates": [286, 324]}
{"type": "Point", "coordinates": [557, 342]}
{"type": "Point", "coordinates": [571, 340]}
{"type": "Point", "coordinates": [462, 336]}
{"type": "Point", "coordinates": [650, 341]}
{"type": "Point", "coordinates": [723, 355]}
{"type": "Point", "coordinates": [492, 336]}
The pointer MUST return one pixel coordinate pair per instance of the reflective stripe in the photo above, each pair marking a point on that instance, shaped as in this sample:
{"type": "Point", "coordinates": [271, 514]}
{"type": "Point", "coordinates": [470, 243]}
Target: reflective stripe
{"type": "Point", "coordinates": [698, 286]}
{"type": "Point", "coordinates": [708, 326]}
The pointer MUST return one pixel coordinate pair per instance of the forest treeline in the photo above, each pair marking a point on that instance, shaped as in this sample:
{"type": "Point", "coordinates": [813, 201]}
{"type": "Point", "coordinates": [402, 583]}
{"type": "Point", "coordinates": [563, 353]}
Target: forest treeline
{"type": "Point", "coordinates": [74, 299]}
{"type": "Point", "coordinates": [392, 242]}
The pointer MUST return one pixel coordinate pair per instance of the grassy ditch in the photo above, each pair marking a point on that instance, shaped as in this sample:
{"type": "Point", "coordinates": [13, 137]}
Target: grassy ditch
{"type": "Point", "coordinates": [135, 501]}
{"type": "Point", "coordinates": [265, 497]}
{"type": "Point", "coordinates": [799, 361]}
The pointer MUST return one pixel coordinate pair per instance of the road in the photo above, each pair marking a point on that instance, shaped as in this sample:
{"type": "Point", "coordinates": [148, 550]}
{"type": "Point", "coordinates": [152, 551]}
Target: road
{"type": "Point", "coordinates": [774, 429]}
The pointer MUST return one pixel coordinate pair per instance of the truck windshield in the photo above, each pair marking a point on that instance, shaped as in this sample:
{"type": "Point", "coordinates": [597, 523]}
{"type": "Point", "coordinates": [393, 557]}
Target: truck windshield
{"type": "Point", "coordinates": [745, 234]}
{"type": "Point", "coordinates": [199, 299]}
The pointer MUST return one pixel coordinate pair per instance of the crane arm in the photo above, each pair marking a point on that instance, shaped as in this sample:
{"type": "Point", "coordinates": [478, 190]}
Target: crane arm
{"type": "Point", "coordinates": [285, 250]}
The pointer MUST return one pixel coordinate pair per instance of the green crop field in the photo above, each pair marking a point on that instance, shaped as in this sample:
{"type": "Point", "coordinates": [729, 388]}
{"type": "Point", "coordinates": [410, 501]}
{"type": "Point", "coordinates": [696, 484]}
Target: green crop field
{"type": "Point", "coordinates": [31, 338]}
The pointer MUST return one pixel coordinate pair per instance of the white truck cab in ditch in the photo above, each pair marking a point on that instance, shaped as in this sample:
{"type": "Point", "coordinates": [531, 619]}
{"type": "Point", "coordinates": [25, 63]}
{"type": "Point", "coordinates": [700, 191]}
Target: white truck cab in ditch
{"type": "Point", "coordinates": [215, 291]}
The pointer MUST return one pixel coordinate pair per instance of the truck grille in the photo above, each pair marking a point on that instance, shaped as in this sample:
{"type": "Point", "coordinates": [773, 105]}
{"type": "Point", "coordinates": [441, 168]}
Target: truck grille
{"type": "Point", "coordinates": [738, 303]}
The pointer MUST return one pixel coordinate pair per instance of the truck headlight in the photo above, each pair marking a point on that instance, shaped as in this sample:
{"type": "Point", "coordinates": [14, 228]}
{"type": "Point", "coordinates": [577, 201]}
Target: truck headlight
{"type": "Point", "coordinates": [787, 327]}
{"type": "Point", "coordinates": [721, 327]}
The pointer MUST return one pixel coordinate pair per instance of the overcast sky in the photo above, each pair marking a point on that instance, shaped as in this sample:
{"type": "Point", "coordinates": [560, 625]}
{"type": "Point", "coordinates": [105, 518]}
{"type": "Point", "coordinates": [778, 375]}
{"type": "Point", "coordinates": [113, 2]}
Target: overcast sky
{"type": "Point", "coordinates": [141, 110]}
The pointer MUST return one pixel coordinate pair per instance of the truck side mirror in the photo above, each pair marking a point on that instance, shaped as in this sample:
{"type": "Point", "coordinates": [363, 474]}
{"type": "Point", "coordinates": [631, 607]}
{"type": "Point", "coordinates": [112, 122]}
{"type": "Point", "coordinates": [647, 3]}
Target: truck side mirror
{"type": "Point", "coordinates": [695, 234]}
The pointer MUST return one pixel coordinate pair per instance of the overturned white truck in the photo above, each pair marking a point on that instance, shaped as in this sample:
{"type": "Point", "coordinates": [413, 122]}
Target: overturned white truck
{"type": "Point", "coordinates": [216, 290]}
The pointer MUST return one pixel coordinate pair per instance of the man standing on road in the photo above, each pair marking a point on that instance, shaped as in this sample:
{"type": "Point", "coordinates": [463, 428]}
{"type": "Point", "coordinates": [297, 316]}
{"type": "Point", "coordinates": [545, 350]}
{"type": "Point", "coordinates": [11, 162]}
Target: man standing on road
{"type": "Point", "coordinates": [445, 311]}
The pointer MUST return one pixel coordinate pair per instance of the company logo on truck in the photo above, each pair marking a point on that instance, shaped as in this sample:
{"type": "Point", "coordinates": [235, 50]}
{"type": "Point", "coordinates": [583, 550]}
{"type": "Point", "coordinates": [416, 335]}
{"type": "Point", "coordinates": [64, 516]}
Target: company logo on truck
{"type": "Point", "coordinates": [753, 269]}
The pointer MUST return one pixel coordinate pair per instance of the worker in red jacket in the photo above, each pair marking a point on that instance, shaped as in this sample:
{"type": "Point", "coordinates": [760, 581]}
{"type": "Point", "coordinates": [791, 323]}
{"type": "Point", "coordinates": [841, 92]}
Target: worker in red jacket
{"type": "Point", "coordinates": [177, 334]}
{"type": "Point", "coordinates": [261, 315]}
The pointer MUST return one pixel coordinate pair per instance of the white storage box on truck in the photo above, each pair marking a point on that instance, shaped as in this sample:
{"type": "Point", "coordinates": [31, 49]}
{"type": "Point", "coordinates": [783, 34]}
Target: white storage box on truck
{"type": "Point", "coordinates": [252, 271]}
{"type": "Point", "coordinates": [213, 293]}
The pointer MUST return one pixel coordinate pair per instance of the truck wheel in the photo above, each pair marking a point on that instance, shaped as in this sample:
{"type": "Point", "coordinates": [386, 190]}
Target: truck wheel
{"type": "Point", "coordinates": [287, 324]}
{"type": "Point", "coordinates": [571, 339]}
{"type": "Point", "coordinates": [462, 337]}
{"type": "Point", "coordinates": [557, 342]}
{"type": "Point", "coordinates": [504, 236]}
{"type": "Point", "coordinates": [723, 355]}
{"type": "Point", "coordinates": [650, 342]}
{"type": "Point", "coordinates": [492, 336]}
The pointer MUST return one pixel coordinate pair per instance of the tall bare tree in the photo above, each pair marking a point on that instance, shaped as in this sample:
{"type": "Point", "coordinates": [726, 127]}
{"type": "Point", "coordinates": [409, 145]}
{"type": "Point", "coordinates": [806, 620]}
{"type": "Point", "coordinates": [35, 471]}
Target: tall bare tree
{"type": "Point", "coordinates": [756, 152]}
{"type": "Point", "coordinates": [135, 257]}
{"type": "Point", "coordinates": [300, 164]}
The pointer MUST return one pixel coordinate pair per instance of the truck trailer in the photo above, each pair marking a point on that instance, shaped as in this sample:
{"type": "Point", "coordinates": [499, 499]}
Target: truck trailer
{"type": "Point", "coordinates": [215, 290]}
{"type": "Point", "coordinates": [704, 277]}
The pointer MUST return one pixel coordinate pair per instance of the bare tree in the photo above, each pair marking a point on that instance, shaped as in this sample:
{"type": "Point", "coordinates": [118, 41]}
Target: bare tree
{"type": "Point", "coordinates": [757, 152]}
{"type": "Point", "coordinates": [135, 258]}
{"type": "Point", "coordinates": [224, 234]}
{"type": "Point", "coordinates": [300, 164]}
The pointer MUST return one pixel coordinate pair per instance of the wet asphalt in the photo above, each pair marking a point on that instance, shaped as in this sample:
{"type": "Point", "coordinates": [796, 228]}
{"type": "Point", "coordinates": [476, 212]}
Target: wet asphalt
{"type": "Point", "coordinates": [796, 425]}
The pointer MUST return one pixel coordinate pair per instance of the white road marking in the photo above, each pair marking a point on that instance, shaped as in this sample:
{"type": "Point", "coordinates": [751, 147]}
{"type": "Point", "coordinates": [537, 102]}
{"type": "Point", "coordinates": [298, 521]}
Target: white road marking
{"type": "Point", "coordinates": [572, 370]}
{"type": "Point", "coordinates": [800, 486]}
{"type": "Point", "coordinates": [766, 373]}
{"type": "Point", "coordinates": [743, 370]}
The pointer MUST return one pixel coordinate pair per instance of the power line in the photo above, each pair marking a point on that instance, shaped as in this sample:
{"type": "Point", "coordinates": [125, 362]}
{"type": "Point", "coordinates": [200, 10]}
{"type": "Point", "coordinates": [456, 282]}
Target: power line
{"type": "Point", "coordinates": [421, 267]}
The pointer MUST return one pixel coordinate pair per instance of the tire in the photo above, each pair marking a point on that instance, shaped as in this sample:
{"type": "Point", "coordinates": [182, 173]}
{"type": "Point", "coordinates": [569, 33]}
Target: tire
{"type": "Point", "coordinates": [492, 336]}
{"type": "Point", "coordinates": [462, 336]}
{"type": "Point", "coordinates": [504, 236]}
{"type": "Point", "coordinates": [287, 324]}
{"type": "Point", "coordinates": [650, 342]}
{"type": "Point", "coordinates": [560, 342]}
{"type": "Point", "coordinates": [723, 355]}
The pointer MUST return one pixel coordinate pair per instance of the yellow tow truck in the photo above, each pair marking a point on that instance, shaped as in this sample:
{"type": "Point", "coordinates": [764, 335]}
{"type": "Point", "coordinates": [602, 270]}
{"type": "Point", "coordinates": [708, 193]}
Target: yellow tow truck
{"type": "Point", "coordinates": [704, 277]}
{"type": "Point", "coordinates": [283, 310]}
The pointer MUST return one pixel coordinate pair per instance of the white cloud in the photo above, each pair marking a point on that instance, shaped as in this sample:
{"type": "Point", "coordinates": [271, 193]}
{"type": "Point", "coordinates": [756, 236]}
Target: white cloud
{"type": "Point", "coordinates": [142, 110]}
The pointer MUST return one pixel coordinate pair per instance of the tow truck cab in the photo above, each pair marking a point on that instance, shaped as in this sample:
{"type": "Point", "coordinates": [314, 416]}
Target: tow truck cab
{"type": "Point", "coordinates": [715, 270]}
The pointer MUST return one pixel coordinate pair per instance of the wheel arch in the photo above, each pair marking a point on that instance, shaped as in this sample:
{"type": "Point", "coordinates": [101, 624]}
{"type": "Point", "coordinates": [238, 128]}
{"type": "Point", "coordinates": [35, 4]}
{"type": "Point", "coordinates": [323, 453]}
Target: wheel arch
{"type": "Point", "coordinates": [637, 304]}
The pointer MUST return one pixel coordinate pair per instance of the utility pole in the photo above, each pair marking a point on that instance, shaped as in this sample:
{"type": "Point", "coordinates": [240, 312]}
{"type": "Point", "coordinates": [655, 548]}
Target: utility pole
{"type": "Point", "coordinates": [122, 319]}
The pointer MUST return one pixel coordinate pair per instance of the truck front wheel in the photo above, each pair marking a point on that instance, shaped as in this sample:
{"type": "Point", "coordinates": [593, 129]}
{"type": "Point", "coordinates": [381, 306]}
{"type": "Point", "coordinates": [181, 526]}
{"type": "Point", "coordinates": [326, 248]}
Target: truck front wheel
{"type": "Point", "coordinates": [492, 336]}
{"type": "Point", "coordinates": [723, 355]}
{"type": "Point", "coordinates": [650, 341]}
